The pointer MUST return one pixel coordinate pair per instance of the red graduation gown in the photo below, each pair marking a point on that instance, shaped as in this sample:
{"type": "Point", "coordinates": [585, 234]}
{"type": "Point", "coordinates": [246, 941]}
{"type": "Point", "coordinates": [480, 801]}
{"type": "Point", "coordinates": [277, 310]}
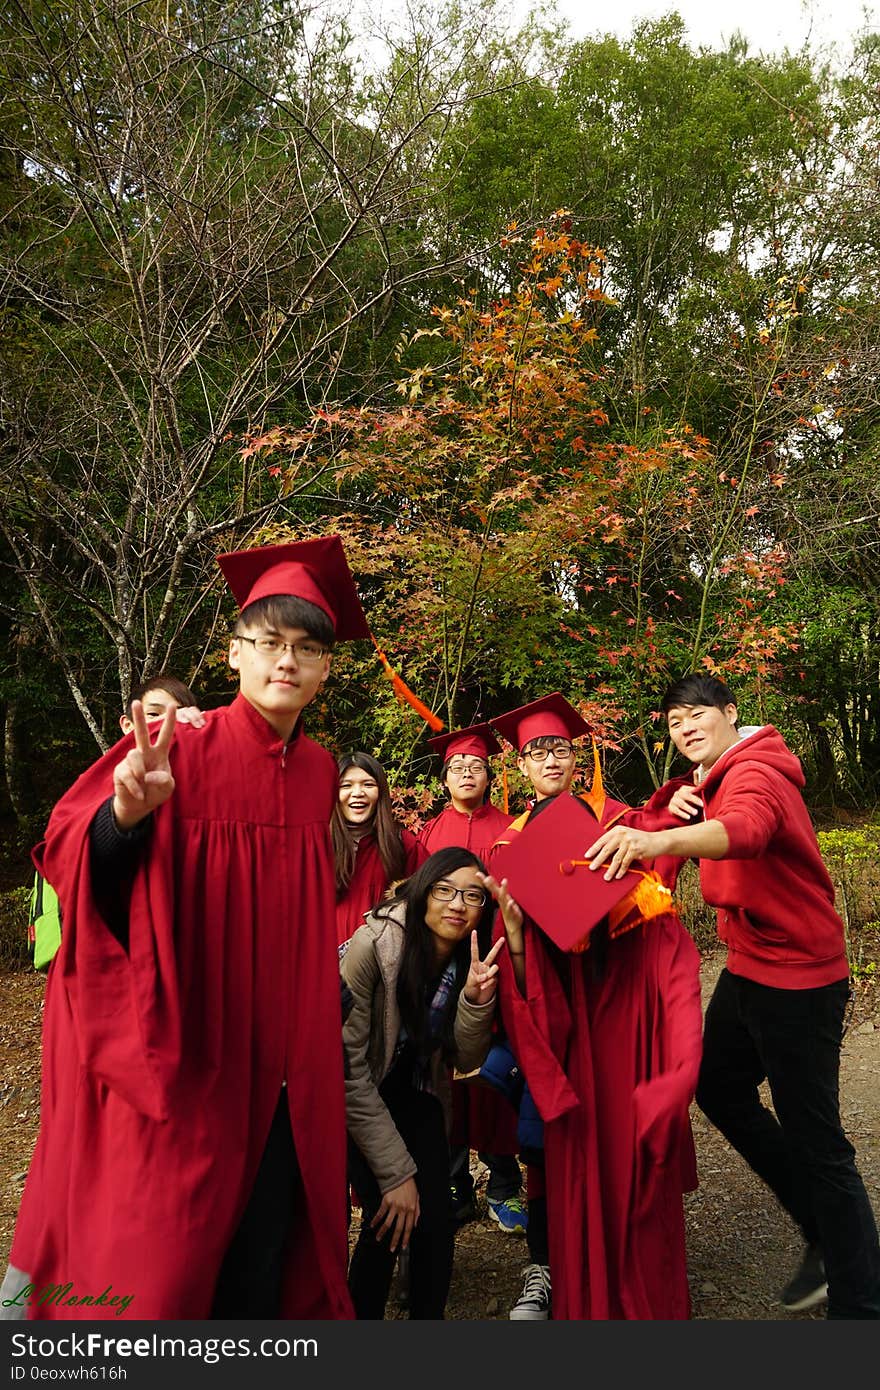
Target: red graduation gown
{"type": "Point", "coordinates": [611, 1059]}
{"type": "Point", "coordinates": [163, 1065]}
{"type": "Point", "coordinates": [476, 831]}
{"type": "Point", "coordinates": [481, 1118]}
{"type": "Point", "coordinates": [369, 882]}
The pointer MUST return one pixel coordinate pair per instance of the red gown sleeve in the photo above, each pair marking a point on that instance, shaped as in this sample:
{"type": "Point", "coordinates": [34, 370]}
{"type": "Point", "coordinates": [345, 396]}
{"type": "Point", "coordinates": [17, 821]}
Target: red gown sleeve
{"type": "Point", "coordinates": [655, 815]}
{"type": "Point", "coordinates": [416, 853]}
{"type": "Point", "coordinates": [538, 1025]}
{"type": "Point", "coordinates": [663, 1132]}
{"type": "Point", "coordinates": [124, 1004]}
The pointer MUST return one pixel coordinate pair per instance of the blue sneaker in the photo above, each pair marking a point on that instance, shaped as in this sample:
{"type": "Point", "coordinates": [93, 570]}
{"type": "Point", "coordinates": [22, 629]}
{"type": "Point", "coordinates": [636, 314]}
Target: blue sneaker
{"type": "Point", "coordinates": [511, 1216]}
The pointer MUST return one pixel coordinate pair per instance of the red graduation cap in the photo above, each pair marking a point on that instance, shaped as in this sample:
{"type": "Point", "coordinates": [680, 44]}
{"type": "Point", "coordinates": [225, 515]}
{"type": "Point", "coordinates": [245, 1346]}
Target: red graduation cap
{"type": "Point", "coordinates": [315, 570]}
{"type": "Point", "coordinates": [547, 873]}
{"type": "Point", "coordinates": [477, 741]}
{"type": "Point", "coordinates": [549, 716]}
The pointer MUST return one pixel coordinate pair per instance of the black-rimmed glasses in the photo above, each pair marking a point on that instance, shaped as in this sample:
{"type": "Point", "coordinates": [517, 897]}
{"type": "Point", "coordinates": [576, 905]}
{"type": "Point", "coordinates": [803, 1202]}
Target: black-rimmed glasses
{"type": "Point", "coordinates": [561, 752]}
{"type": "Point", "coordinates": [445, 893]}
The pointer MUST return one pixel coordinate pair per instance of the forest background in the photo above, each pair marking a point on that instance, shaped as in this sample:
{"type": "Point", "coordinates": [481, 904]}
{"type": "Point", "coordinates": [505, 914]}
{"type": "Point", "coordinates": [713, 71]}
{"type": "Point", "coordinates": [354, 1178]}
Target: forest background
{"type": "Point", "coordinates": [575, 343]}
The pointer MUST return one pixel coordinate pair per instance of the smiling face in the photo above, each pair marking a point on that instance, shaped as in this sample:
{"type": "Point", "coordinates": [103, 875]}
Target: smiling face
{"type": "Point", "coordinates": [358, 796]}
{"type": "Point", "coordinates": [555, 773]}
{"type": "Point", "coordinates": [449, 922]}
{"type": "Point", "coordinates": [702, 732]}
{"type": "Point", "coordinates": [278, 686]}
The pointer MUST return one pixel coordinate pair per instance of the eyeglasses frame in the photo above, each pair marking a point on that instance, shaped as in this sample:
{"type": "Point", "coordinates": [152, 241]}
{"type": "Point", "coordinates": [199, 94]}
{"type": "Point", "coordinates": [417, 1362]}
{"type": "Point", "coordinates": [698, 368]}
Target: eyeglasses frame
{"type": "Point", "coordinates": [285, 646]}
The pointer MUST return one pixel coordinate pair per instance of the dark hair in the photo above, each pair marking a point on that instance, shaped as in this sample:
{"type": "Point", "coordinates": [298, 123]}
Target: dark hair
{"type": "Point", "coordinates": [286, 610]}
{"type": "Point", "coordinates": [546, 741]}
{"type": "Point", "coordinates": [696, 689]}
{"type": "Point", "coordinates": [418, 969]}
{"type": "Point", "coordinates": [392, 851]}
{"type": "Point", "coordinates": [162, 680]}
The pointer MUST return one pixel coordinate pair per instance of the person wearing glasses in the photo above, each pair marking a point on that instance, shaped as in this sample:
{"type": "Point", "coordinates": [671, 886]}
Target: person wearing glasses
{"type": "Point", "coordinates": [470, 819]}
{"type": "Point", "coordinates": [542, 733]}
{"type": "Point", "coordinates": [192, 1147]}
{"type": "Point", "coordinates": [608, 1039]}
{"type": "Point", "coordinates": [481, 1119]}
{"type": "Point", "coordinates": [423, 978]}
{"type": "Point", "coordinates": [370, 850]}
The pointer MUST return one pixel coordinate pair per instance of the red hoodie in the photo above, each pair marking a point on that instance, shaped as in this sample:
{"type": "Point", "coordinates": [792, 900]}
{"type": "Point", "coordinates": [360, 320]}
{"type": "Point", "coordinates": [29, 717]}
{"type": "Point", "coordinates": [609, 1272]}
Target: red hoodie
{"type": "Point", "coordinates": [774, 896]}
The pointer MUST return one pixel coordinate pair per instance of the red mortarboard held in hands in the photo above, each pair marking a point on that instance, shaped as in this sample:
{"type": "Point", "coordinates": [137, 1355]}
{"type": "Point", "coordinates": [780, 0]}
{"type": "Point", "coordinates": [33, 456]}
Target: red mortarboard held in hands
{"type": "Point", "coordinates": [317, 571]}
{"type": "Point", "coordinates": [546, 867]}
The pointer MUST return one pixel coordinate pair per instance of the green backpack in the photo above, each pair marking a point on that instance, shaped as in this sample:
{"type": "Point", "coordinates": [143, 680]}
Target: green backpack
{"type": "Point", "coordinates": [44, 924]}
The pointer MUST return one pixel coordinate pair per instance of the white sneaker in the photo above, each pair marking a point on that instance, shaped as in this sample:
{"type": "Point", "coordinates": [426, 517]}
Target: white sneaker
{"type": "Point", "coordinates": [533, 1304]}
{"type": "Point", "coordinates": [809, 1287]}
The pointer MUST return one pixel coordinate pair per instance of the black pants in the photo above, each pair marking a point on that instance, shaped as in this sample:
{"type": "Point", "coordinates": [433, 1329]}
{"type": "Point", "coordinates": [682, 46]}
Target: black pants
{"type": "Point", "coordinates": [249, 1283]}
{"type": "Point", "coordinates": [421, 1124]}
{"type": "Point", "coordinates": [792, 1038]}
{"type": "Point", "coordinates": [504, 1181]}
{"type": "Point", "coordinates": [537, 1236]}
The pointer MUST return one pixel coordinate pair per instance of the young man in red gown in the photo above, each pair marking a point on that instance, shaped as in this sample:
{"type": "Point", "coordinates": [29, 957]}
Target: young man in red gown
{"type": "Point", "coordinates": [608, 1037]}
{"type": "Point", "coordinates": [191, 1154]}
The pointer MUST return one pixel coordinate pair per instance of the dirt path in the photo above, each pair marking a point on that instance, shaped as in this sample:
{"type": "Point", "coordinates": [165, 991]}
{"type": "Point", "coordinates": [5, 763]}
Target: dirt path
{"type": "Point", "coordinates": [741, 1247]}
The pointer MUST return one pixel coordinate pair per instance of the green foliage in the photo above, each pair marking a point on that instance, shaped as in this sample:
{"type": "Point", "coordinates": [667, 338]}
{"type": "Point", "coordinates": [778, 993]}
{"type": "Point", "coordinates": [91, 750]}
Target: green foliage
{"type": "Point", "coordinates": [215, 230]}
{"type": "Point", "coordinates": [853, 860]}
{"type": "Point", "coordinates": [14, 949]}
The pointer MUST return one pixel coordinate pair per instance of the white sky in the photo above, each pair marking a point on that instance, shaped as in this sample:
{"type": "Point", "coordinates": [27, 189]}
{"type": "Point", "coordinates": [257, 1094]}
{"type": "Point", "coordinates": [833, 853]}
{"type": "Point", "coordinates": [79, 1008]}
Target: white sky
{"type": "Point", "coordinates": [766, 24]}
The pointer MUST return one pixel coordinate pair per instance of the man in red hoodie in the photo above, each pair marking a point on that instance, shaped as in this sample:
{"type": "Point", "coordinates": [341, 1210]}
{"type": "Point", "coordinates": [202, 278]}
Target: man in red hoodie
{"type": "Point", "coordinates": [777, 1010]}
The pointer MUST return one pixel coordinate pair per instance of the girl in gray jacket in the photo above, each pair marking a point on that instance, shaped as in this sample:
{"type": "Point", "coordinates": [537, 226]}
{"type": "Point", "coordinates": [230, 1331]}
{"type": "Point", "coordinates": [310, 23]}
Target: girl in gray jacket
{"type": "Point", "coordinates": [423, 983]}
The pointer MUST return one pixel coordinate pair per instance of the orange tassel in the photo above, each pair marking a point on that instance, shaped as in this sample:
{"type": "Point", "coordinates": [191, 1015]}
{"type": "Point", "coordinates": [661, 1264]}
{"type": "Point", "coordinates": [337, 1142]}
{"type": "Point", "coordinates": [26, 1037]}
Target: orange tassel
{"type": "Point", "coordinates": [650, 898]}
{"type": "Point", "coordinates": [595, 797]}
{"type": "Point", "coordinates": [504, 787]}
{"type": "Point", "coordinates": [404, 694]}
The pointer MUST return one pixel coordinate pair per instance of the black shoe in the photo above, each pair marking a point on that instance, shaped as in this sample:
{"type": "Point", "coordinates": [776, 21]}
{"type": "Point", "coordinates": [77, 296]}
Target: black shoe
{"type": "Point", "coordinates": [809, 1286]}
{"type": "Point", "coordinates": [463, 1207]}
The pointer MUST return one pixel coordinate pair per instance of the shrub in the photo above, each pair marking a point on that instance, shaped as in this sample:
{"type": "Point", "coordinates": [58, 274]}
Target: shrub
{"type": "Point", "coordinates": [14, 912]}
{"type": "Point", "coordinates": [853, 859]}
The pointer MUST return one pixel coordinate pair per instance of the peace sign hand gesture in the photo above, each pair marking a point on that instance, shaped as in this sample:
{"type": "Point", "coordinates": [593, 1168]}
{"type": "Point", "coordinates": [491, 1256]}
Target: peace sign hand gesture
{"type": "Point", "coordinates": [481, 984]}
{"type": "Point", "coordinates": [143, 780]}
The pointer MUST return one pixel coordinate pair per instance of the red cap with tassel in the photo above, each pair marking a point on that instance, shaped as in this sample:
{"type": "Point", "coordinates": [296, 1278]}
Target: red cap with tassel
{"type": "Point", "coordinates": [316, 570]}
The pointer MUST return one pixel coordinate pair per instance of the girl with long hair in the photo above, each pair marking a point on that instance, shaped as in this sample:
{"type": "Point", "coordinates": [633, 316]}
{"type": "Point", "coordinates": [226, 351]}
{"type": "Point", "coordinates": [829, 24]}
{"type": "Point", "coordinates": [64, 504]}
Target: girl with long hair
{"type": "Point", "coordinates": [423, 981]}
{"type": "Point", "coordinates": [371, 850]}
